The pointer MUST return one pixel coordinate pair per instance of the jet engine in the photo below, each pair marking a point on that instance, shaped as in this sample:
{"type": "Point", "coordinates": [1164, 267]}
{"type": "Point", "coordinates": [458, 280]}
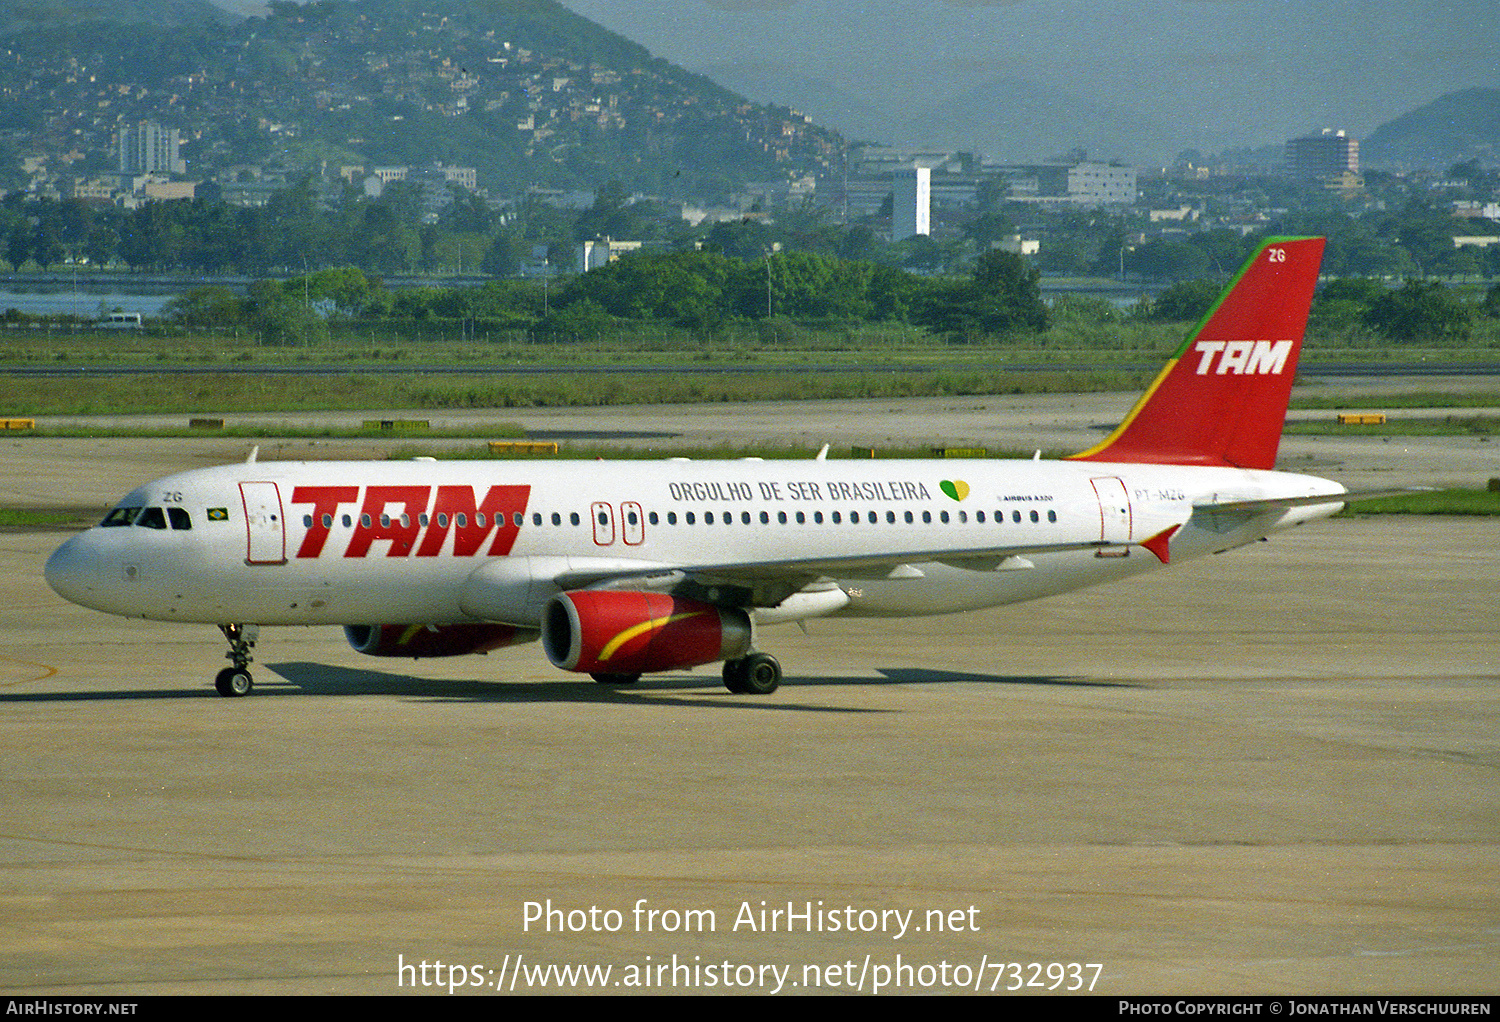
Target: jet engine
{"type": "Point", "coordinates": [620, 634]}
{"type": "Point", "coordinates": [435, 640]}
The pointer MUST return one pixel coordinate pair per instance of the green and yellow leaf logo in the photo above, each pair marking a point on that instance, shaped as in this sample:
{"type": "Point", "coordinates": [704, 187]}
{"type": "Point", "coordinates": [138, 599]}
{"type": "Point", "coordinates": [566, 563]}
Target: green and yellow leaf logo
{"type": "Point", "coordinates": [955, 488]}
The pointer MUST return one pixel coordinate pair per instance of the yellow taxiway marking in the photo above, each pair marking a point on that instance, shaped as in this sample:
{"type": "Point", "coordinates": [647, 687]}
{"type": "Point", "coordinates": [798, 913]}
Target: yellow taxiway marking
{"type": "Point", "coordinates": [47, 671]}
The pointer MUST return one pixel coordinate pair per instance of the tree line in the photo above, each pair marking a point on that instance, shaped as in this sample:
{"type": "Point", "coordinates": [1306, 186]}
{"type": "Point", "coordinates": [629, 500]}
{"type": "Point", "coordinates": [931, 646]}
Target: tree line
{"type": "Point", "coordinates": [702, 292]}
{"type": "Point", "coordinates": [697, 291]}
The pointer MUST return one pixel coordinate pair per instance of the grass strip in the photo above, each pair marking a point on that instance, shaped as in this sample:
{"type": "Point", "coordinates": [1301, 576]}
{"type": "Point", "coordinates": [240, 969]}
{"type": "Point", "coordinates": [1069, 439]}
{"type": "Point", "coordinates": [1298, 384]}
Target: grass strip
{"type": "Point", "coordinates": [1456, 501]}
{"type": "Point", "coordinates": [1448, 425]}
{"type": "Point", "coordinates": [220, 394]}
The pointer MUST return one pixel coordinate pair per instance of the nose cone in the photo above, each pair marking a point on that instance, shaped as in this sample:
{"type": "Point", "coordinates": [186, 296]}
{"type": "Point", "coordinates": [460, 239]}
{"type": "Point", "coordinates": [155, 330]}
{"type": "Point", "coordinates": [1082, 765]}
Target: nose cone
{"type": "Point", "coordinates": [73, 571]}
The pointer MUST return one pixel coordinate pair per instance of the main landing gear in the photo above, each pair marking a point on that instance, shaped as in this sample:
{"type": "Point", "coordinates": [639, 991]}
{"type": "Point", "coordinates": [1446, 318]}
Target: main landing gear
{"type": "Point", "coordinates": [236, 681]}
{"type": "Point", "coordinates": [758, 674]}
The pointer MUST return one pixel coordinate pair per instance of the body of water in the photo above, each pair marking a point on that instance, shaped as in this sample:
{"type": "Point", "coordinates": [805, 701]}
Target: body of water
{"type": "Point", "coordinates": [86, 303]}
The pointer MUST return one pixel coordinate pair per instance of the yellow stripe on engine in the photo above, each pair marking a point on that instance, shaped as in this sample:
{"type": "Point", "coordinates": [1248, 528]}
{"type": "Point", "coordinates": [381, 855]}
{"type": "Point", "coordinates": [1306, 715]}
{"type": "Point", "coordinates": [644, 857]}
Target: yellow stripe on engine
{"type": "Point", "coordinates": [613, 645]}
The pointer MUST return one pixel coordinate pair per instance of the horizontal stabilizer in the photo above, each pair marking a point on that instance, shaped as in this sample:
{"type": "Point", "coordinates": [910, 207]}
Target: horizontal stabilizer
{"type": "Point", "coordinates": [1277, 503]}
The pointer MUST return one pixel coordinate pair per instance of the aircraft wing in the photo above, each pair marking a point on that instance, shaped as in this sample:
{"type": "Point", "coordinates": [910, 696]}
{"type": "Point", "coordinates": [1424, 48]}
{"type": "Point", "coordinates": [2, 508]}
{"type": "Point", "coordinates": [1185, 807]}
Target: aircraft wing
{"type": "Point", "coordinates": [880, 565]}
{"type": "Point", "coordinates": [767, 583]}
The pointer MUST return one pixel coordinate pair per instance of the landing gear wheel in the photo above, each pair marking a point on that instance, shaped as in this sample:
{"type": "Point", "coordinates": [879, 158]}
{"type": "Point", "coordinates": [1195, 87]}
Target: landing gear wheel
{"type": "Point", "coordinates": [758, 674]}
{"type": "Point", "coordinates": [605, 678]}
{"type": "Point", "coordinates": [234, 682]}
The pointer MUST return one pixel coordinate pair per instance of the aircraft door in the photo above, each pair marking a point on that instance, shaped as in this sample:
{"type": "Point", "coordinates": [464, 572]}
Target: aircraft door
{"type": "Point", "coordinates": [603, 517]}
{"type": "Point", "coordinates": [633, 523]}
{"type": "Point", "coordinates": [265, 533]}
{"type": "Point", "coordinates": [1115, 521]}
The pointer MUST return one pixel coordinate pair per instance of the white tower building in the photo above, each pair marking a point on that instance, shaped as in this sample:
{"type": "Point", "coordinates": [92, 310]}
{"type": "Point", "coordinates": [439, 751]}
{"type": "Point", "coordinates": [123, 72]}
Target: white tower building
{"type": "Point", "coordinates": [911, 210]}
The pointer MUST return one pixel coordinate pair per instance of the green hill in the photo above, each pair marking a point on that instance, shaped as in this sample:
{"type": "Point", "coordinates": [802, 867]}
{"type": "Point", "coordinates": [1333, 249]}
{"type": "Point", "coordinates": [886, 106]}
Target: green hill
{"type": "Point", "coordinates": [525, 90]}
{"type": "Point", "coordinates": [1452, 128]}
{"type": "Point", "coordinates": [18, 15]}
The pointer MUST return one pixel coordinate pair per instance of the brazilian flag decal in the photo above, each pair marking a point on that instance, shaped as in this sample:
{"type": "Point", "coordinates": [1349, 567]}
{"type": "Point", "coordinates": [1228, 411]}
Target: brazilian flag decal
{"type": "Point", "coordinates": [218, 514]}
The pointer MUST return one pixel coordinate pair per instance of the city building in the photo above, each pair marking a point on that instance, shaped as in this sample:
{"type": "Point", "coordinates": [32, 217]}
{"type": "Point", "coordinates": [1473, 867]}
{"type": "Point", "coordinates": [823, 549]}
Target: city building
{"type": "Point", "coordinates": [1326, 155]}
{"type": "Point", "coordinates": [1101, 184]}
{"type": "Point", "coordinates": [600, 252]}
{"type": "Point", "coordinates": [149, 148]}
{"type": "Point", "coordinates": [1018, 245]}
{"type": "Point", "coordinates": [911, 209]}
{"type": "Point", "coordinates": [1078, 182]}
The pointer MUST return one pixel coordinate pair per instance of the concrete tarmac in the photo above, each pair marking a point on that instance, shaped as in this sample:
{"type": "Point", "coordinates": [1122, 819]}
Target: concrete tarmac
{"type": "Point", "coordinates": [1275, 771]}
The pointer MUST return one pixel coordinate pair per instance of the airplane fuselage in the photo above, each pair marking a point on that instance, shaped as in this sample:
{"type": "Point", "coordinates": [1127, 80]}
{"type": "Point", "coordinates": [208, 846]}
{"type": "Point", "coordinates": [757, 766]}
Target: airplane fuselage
{"type": "Point", "coordinates": [308, 543]}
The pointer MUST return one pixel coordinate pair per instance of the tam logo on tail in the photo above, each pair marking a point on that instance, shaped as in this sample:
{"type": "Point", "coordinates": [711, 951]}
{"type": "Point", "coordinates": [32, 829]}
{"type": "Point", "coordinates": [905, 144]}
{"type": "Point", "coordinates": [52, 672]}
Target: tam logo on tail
{"type": "Point", "coordinates": [1222, 397]}
{"type": "Point", "coordinates": [1241, 357]}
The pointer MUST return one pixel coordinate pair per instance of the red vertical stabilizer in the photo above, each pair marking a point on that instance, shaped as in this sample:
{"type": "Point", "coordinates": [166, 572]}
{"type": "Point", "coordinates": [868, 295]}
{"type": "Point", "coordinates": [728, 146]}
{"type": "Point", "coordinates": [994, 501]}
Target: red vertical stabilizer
{"type": "Point", "coordinates": [1221, 399]}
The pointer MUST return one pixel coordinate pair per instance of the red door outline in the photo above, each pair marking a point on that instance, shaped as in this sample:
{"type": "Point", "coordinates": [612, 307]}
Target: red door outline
{"type": "Point", "coordinates": [265, 526]}
{"type": "Point", "coordinates": [1116, 524]}
{"type": "Point", "coordinates": [632, 524]}
{"type": "Point", "coordinates": [603, 517]}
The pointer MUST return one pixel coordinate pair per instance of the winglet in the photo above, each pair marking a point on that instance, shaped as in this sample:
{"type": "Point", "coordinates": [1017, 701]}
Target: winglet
{"type": "Point", "coordinates": [1222, 397]}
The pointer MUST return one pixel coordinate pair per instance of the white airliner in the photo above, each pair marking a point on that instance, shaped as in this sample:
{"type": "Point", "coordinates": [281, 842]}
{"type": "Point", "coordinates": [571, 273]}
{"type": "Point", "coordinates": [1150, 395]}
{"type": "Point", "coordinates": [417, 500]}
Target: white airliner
{"type": "Point", "coordinates": [627, 568]}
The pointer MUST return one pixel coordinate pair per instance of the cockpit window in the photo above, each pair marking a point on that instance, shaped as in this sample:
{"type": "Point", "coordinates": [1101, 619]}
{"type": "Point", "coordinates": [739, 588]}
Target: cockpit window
{"type": "Point", "coordinates": [152, 518]}
{"type": "Point", "coordinates": [120, 516]}
{"type": "Point", "coordinates": [176, 518]}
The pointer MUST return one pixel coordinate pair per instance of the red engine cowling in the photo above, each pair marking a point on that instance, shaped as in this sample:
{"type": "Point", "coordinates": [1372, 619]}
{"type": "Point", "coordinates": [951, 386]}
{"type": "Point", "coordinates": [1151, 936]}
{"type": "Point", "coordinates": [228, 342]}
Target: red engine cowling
{"type": "Point", "coordinates": [610, 632]}
{"type": "Point", "coordinates": [435, 640]}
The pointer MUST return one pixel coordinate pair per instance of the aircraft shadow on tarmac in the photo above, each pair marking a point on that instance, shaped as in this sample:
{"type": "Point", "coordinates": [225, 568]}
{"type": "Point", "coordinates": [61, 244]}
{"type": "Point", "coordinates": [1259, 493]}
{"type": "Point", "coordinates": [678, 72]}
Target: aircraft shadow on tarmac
{"type": "Point", "coordinates": [301, 678]}
{"type": "Point", "coordinates": [324, 679]}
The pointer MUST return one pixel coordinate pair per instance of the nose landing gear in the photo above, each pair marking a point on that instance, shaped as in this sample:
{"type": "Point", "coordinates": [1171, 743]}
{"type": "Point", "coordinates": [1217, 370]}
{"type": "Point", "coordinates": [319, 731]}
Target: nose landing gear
{"type": "Point", "coordinates": [236, 681]}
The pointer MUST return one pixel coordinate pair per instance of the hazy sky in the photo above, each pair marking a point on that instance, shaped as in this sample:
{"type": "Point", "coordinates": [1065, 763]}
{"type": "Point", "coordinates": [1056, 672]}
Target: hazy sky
{"type": "Point", "coordinates": [1247, 71]}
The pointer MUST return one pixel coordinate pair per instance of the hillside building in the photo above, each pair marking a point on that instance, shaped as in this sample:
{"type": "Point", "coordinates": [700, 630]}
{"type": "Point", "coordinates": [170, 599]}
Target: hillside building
{"type": "Point", "coordinates": [149, 148]}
